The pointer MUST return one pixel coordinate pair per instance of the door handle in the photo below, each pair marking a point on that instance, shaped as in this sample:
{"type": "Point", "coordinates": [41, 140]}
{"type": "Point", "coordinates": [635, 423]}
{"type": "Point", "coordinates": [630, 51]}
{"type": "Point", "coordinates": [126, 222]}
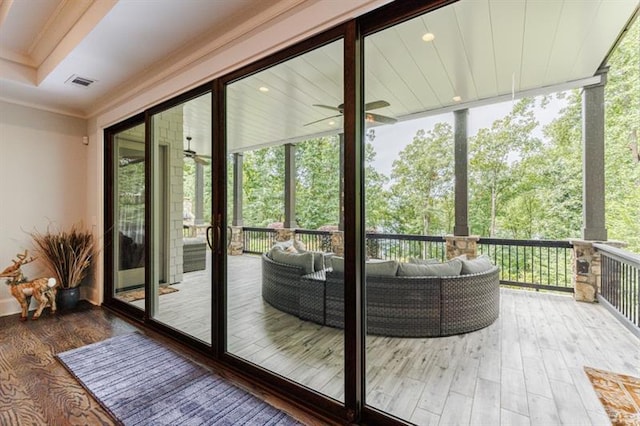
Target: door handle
{"type": "Point", "coordinates": [209, 229]}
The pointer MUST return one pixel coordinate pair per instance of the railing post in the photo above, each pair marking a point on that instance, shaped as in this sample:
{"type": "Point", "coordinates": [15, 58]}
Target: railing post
{"type": "Point", "coordinates": [458, 245]}
{"type": "Point", "coordinates": [337, 242]}
{"type": "Point", "coordinates": [285, 234]}
{"type": "Point", "coordinates": [235, 245]}
{"type": "Point", "coordinates": [586, 269]}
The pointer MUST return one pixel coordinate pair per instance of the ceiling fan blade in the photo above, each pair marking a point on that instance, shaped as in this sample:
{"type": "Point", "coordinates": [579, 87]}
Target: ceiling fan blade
{"type": "Point", "coordinates": [369, 116]}
{"type": "Point", "coordinates": [338, 108]}
{"type": "Point", "coordinates": [376, 105]}
{"type": "Point", "coordinates": [323, 119]}
{"type": "Point", "coordinates": [200, 160]}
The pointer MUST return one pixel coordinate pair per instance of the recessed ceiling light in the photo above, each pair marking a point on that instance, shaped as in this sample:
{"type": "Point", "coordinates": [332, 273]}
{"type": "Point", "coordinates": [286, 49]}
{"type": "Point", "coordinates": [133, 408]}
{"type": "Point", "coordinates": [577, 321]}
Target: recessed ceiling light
{"type": "Point", "coordinates": [428, 37]}
{"type": "Point", "coordinates": [331, 123]}
{"type": "Point", "coordinates": [263, 89]}
{"type": "Point", "coordinates": [457, 98]}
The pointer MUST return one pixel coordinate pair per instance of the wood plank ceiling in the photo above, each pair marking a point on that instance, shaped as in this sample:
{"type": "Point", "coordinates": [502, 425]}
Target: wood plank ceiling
{"type": "Point", "coordinates": [482, 49]}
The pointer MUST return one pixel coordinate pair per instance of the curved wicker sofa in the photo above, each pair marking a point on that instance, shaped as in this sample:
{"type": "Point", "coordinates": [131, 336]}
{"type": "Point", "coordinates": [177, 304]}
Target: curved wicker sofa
{"type": "Point", "coordinates": [396, 306]}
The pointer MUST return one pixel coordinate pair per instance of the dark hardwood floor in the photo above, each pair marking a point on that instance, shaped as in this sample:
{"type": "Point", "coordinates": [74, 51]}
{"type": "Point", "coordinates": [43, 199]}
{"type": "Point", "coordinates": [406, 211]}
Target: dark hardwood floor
{"type": "Point", "coordinates": [35, 389]}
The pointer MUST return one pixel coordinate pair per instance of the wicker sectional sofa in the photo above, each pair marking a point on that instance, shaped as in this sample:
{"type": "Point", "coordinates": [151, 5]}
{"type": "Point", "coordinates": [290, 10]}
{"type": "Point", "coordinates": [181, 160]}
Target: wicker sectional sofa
{"type": "Point", "coordinates": [428, 306]}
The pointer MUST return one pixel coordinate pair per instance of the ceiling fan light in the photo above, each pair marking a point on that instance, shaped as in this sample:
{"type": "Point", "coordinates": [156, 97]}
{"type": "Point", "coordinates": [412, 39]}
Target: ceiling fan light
{"type": "Point", "coordinates": [428, 37]}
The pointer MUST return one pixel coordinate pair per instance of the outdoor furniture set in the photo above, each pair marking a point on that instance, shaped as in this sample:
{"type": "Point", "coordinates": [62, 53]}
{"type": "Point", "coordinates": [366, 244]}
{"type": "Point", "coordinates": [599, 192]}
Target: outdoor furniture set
{"type": "Point", "coordinates": [421, 298]}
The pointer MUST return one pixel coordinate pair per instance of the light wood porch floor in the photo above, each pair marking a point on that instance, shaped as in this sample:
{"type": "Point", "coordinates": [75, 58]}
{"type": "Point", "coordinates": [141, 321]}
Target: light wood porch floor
{"type": "Point", "coordinates": [526, 368]}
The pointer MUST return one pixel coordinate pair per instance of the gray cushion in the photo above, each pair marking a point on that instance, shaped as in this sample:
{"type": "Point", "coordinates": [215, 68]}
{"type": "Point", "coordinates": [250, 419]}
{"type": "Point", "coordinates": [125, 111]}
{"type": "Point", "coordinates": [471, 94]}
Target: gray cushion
{"type": "Point", "coordinates": [447, 269]}
{"type": "Point", "coordinates": [475, 266]}
{"type": "Point", "coordinates": [303, 260]}
{"type": "Point", "coordinates": [384, 268]}
{"type": "Point", "coordinates": [417, 261]}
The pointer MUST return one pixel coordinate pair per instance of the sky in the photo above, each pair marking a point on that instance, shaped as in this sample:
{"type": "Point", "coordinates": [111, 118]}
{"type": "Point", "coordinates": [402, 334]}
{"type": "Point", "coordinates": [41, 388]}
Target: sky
{"type": "Point", "coordinates": [392, 139]}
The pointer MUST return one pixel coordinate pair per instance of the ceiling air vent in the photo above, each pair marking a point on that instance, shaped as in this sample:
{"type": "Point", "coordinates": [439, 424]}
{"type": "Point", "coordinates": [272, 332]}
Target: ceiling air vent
{"type": "Point", "coordinates": [80, 81]}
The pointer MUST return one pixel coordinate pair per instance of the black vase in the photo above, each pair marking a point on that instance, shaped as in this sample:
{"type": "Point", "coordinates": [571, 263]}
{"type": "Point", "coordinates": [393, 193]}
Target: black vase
{"type": "Point", "coordinates": [68, 298]}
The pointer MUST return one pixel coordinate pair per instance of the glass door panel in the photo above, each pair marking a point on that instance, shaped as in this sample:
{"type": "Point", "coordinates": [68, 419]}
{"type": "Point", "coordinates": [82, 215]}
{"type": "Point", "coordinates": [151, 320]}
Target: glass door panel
{"type": "Point", "coordinates": [129, 215]}
{"type": "Point", "coordinates": [409, 205]}
{"type": "Point", "coordinates": [182, 286]}
{"type": "Point", "coordinates": [284, 283]}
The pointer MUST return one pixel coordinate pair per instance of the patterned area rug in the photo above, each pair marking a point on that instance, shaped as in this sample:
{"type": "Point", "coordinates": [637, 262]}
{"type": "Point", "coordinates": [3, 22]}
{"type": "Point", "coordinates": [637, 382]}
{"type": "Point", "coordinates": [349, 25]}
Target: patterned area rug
{"type": "Point", "coordinates": [140, 382]}
{"type": "Point", "coordinates": [619, 394]}
{"type": "Point", "coordinates": [130, 296]}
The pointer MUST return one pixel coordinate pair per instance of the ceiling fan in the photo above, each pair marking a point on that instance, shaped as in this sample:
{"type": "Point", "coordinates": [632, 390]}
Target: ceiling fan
{"type": "Point", "coordinates": [189, 153]}
{"type": "Point", "coordinates": [368, 116]}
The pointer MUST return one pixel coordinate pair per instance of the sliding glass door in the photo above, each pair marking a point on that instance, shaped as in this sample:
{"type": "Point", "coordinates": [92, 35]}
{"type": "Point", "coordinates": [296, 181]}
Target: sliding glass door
{"type": "Point", "coordinates": [181, 179]}
{"type": "Point", "coordinates": [284, 127]}
{"type": "Point", "coordinates": [129, 208]}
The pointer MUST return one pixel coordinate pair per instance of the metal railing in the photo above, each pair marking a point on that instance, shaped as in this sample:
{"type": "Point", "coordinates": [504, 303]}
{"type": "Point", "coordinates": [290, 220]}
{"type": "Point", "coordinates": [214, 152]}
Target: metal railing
{"type": "Point", "coordinates": [620, 283]}
{"type": "Point", "coordinates": [315, 240]}
{"type": "Point", "coordinates": [539, 264]}
{"type": "Point", "coordinates": [403, 247]}
{"type": "Point", "coordinates": [257, 240]}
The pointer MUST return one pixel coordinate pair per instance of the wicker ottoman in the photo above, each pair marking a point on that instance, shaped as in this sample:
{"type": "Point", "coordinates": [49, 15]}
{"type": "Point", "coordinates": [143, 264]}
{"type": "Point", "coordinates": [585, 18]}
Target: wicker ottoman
{"type": "Point", "coordinates": [194, 255]}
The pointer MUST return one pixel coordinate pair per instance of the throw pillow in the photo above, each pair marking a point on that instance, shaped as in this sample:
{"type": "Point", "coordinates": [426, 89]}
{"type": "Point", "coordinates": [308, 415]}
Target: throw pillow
{"type": "Point", "coordinates": [302, 260]}
{"type": "Point", "coordinates": [283, 244]}
{"type": "Point", "coordinates": [475, 266]}
{"type": "Point", "coordinates": [300, 246]}
{"type": "Point", "coordinates": [446, 269]}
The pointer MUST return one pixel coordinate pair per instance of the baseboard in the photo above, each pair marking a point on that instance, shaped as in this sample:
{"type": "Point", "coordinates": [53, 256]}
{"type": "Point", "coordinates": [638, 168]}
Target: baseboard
{"type": "Point", "coordinates": [9, 306]}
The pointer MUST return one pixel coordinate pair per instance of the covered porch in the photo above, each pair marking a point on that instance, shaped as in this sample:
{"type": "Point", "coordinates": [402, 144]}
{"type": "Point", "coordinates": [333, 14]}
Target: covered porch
{"type": "Point", "coordinates": [526, 368]}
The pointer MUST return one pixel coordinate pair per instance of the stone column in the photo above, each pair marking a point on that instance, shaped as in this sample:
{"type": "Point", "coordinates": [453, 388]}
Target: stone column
{"type": "Point", "coordinates": [461, 159]}
{"type": "Point", "coordinates": [237, 190]}
{"type": "Point", "coordinates": [586, 269]}
{"type": "Point", "coordinates": [341, 183]}
{"type": "Point", "coordinates": [199, 195]}
{"type": "Point", "coordinates": [285, 234]}
{"type": "Point", "coordinates": [593, 199]}
{"type": "Point", "coordinates": [458, 245]}
{"type": "Point", "coordinates": [290, 186]}
{"type": "Point", "coordinates": [337, 242]}
{"type": "Point", "coordinates": [236, 241]}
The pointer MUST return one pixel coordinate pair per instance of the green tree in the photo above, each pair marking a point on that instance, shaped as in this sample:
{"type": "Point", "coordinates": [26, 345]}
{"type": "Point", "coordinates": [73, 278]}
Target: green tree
{"type": "Point", "coordinates": [422, 179]}
{"type": "Point", "coordinates": [376, 194]}
{"type": "Point", "coordinates": [318, 182]}
{"type": "Point", "coordinates": [494, 154]}
{"type": "Point", "coordinates": [622, 133]}
{"type": "Point", "coordinates": [263, 186]}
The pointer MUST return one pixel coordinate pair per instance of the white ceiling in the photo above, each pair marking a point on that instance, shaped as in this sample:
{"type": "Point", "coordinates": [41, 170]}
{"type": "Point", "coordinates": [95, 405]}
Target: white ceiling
{"type": "Point", "coordinates": [483, 49]}
{"type": "Point", "coordinates": [44, 42]}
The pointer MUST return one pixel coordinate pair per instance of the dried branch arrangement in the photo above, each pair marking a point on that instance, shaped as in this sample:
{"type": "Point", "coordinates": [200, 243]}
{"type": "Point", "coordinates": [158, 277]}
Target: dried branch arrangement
{"type": "Point", "coordinates": [67, 254]}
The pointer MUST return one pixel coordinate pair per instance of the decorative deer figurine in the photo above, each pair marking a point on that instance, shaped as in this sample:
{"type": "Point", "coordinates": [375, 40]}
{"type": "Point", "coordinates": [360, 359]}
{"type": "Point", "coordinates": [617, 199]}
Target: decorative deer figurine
{"type": "Point", "coordinates": [43, 289]}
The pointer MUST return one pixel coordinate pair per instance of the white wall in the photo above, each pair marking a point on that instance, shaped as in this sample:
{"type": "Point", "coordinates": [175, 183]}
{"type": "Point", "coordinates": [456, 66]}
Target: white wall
{"type": "Point", "coordinates": [48, 175]}
{"type": "Point", "coordinates": [43, 180]}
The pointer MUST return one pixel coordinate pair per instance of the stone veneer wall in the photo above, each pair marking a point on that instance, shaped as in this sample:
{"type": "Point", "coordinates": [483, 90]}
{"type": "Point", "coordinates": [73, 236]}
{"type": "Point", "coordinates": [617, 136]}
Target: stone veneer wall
{"type": "Point", "coordinates": [168, 131]}
{"type": "Point", "coordinates": [457, 246]}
